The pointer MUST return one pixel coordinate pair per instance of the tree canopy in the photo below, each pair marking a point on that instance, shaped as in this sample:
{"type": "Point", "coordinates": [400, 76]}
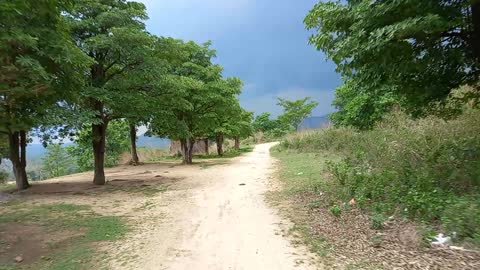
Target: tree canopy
{"type": "Point", "coordinates": [295, 111]}
{"type": "Point", "coordinates": [69, 68]}
{"type": "Point", "coordinates": [406, 52]}
{"type": "Point", "coordinates": [39, 65]}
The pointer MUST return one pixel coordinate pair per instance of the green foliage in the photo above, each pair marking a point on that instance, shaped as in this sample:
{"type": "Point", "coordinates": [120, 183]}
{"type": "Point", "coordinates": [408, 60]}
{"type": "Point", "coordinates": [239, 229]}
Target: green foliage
{"type": "Point", "coordinates": [3, 176]}
{"type": "Point", "coordinates": [38, 62]}
{"type": "Point", "coordinates": [117, 143]}
{"type": "Point", "coordinates": [57, 162]}
{"type": "Point", "coordinates": [410, 53]}
{"type": "Point", "coordinates": [336, 210]}
{"type": "Point", "coordinates": [378, 220]}
{"type": "Point", "coordinates": [428, 169]}
{"type": "Point", "coordinates": [295, 111]}
{"type": "Point", "coordinates": [263, 123]}
{"type": "Point", "coordinates": [462, 215]}
{"type": "Point", "coordinates": [3, 147]}
{"type": "Point", "coordinates": [204, 104]}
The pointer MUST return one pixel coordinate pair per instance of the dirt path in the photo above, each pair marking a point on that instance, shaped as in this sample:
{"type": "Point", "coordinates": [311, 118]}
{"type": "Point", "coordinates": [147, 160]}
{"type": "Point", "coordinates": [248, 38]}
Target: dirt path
{"type": "Point", "coordinates": [214, 218]}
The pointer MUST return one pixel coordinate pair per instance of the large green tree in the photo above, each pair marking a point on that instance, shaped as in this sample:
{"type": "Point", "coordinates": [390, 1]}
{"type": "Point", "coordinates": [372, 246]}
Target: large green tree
{"type": "Point", "coordinates": [405, 52]}
{"type": "Point", "coordinates": [231, 121]}
{"type": "Point", "coordinates": [242, 127]}
{"type": "Point", "coordinates": [112, 32]}
{"type": "Point", "coordinates": [39, 67]}
{"type": "Point", "coordinates": [263, 123]}
{"type": "Point", "coordinates": [294, 111]}
{"type": "Point", "coordinates": [200, 93]}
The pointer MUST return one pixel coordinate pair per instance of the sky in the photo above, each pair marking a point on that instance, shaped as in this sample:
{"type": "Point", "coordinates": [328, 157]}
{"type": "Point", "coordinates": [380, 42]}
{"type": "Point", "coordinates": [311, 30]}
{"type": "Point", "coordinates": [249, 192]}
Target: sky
{"type": "Point", "coordinates": [264, 43]}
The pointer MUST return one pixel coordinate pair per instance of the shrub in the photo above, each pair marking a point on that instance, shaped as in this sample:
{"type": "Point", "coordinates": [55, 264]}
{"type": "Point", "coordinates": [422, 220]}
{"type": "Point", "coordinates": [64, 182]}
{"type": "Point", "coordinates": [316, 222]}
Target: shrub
{"type": "Point", "coordinates": [462, 216]}
{"type": "Point", "coordinates": [3, 176]}
{"type": "Point", "coordinates": [378, 221]}
{"type": "Point", "coordinates": [428, 168]}
{"type": "Point", "coordinates": [336, 210]}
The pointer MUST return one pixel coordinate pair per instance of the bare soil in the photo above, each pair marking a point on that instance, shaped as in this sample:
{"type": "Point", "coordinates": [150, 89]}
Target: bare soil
{"type": "Point", "coordinates": [30, 242]}
{"type": "Point", "coordinates": [211, 215]}
{"type": "Point", "coordinates": [350, 242]}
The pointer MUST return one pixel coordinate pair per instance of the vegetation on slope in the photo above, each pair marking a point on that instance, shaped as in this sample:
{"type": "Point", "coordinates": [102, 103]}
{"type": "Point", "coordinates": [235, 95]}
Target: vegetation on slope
{"type": "Point", "coordinates": [427, 170]}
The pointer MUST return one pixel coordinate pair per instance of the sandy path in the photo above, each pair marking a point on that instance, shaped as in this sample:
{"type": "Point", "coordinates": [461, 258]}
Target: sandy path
{"type": "Point", "coordinates": [215, 218]}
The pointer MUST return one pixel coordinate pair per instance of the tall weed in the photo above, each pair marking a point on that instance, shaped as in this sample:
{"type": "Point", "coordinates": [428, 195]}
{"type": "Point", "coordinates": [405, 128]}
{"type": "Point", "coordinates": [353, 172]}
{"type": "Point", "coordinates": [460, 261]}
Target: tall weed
{"type": "Point", "coordinates": [427, 169]}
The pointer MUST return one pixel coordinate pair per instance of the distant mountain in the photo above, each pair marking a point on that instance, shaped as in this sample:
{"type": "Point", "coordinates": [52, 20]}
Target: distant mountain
{"type": "Point", "coordinates": [314, 122]}
{"type": "Point", "coordinates": [37, 151]}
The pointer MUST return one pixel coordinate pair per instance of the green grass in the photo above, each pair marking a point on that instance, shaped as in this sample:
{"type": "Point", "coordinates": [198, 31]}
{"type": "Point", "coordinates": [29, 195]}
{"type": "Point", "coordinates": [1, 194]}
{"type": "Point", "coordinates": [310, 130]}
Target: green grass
{"type": "Point", "coordinates": [316, 243]}
{"type": "Point", "coordinates": [5, 187]}
{"type": "Point", "coordinates": [429, 169]}
{"type": "Point", "coordinates": [77, 252]}
{"type": "Point", "coordinates": [302, 174]}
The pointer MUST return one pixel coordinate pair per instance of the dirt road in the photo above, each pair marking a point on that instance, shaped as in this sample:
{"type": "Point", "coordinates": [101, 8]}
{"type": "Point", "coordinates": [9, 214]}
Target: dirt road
{"type": "Point", "coordinates": [214, 218]}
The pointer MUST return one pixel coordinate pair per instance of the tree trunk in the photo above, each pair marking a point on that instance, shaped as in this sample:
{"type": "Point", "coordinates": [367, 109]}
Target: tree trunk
{"type": "Point", "coordinates": [237, 143]}
{"type": "Point", "coordinates": [219, 141]}
{"type": "Point", "coordinates": [133, 141]}
{"type": "Point", "coordinates": [207, 147]}
{"type": "Point", "coordinates": [191, 143]}
{"type": "Point", "coordinates": [98, 143]}
{"type": "Point", "coordinates": [184, 149]}
{"type": "Point", "coordinates": [17, 143]}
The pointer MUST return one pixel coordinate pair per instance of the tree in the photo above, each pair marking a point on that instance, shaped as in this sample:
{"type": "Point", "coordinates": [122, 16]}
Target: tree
{"type": "Point", "coordinates": [410, 53]}
{"type": "Point", "coordinates": [116, 143]}
{"type": "Point", "coordinates": [263, 123]}
{"type": "Point", "coordinates": [199, 94]}
{"type": "Point", "coordinates": [295, 111]}
{"type": "Point", "coordinates": [227, 115]}
{"type": "Point", "coordinates": [57, 162]}
{"type": "Point", "coordinates": [39, 66]}
{"type": "Point", "coordinates": [112, 32]}
{"type": "Point", "coordinates": [242, 127]}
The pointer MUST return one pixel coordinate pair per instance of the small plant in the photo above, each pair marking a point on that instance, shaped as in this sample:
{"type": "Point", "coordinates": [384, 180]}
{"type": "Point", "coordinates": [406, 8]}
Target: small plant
{"type": "Point", "coordinates": [336, 210]}
{"type": "Point", "coordinates": [378, 221]}
{"type": "Point", "coordinates": [427, 234]}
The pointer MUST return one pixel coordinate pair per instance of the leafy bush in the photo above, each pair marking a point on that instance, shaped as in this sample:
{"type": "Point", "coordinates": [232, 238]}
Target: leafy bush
{"type": "Point", "coordinates": [428, 168]}
{"type": "Point", "coordinates": [117, 142]}
{"type": "Point", "coordinates": [336, 210]}
{"type": "Point", "coordinates": [462, 216]}
{"type": "Point", "coordinates": [3, 176]}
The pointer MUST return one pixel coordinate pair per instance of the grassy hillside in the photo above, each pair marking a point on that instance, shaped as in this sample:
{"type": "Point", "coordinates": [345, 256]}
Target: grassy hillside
{"type": "Point", "coordinates": [425, 170]}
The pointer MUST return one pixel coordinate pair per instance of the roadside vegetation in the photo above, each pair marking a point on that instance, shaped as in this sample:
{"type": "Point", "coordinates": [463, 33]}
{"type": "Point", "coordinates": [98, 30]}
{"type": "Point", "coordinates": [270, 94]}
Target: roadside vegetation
{"type": "Point", "coordinates": [400, 162]}
{"type": "Point", "coordinates": [426, 170]}
{"type": "Point", "coordinates": [379, 198]}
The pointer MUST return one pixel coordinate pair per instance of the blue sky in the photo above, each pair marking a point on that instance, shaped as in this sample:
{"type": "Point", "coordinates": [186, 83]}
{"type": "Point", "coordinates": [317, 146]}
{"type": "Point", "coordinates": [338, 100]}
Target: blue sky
{"type": "Point", "coordinates": [262, 42]}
